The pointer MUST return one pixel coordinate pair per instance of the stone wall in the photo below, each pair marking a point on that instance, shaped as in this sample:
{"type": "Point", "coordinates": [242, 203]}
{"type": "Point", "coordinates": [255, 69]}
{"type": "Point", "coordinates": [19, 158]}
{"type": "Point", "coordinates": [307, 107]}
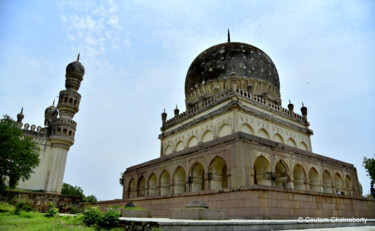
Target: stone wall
{"type": "Point", "coordinates": [261, 202]}
{"type": "Point", "coordinates": [40, 199]}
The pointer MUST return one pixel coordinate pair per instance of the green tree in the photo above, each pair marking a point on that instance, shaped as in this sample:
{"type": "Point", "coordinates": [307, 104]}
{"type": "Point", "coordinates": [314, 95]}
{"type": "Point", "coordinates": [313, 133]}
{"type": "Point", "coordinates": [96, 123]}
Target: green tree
{"type": "Point", "coordinates": [68, 189]}
{"type": "Point", "coordinates": [121, 180]}
{"type": "Point", "coordinates": [90, 198]}
{"type": "Point", "coordinates": [19, 154]}
{"type": "Point", "coordinates": [369, 165]}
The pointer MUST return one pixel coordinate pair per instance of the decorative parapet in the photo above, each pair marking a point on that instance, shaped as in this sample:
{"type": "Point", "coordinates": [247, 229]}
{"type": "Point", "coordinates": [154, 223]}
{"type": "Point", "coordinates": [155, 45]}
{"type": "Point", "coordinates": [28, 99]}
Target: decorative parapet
{"type": "Point", "coordinates": [61, 129]}
{"type": "Point", "coordinates": [221, 96]}
{"type": "Point", "coordinates": [253, 86]}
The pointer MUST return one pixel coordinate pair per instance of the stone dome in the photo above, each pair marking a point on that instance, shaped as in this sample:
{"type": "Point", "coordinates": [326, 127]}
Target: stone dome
{"type": "Point", "coordinates": [222, 60]}
{"type": "Point", "coordinates": [50, 111]}
{"type": "Point", "coordinates": [75, 69]}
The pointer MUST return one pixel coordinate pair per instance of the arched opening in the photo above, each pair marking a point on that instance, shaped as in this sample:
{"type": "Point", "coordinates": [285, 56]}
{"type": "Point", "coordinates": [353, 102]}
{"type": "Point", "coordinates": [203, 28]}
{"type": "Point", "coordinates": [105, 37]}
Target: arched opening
{"type": "Point", "coordinates": [278, 138]}
{"type": "Point", "coordinates": [141, 187]}
{"type": "Point", "coordinates": [70, 100]}
{"type": "Point", "coordinates": [196, 179]}
{"type": "Point", "coordinates": [263, 174]}
{"type": "Point", "coordinates": [165, 183]}
{"type": "Point", "coordinates": [338, 184]}
{"type": "Point", "coordinates": [193, 141]}
{"type": "Point", "coordinates": [314, 180]}
{"type": "Point", "coordinates": [299, 178]}
{"type": "Point", "coordinates": [348, 185]}
{"type": "Point", "coordinates": [291, 142]}
{"type": "Point", "coordinates": [225, 130]}
{"type": "Point", "coordinates": [263, 133]}
{"type": "Point", "coordinates": [179, 180]}
{"type": "Point", "coordinates": [246, 128]}
{"type": "Point", "coordinates": [131, 189]}
{"type": "Point", "coordinates": [218, 174]}
{"type": "Point", "coordinates": [179, 146]}
{"type": "Point", "coordinates": [303, 146]}
{"type": "Point", "coordinates": [327, 182]}
{"type": "Point", "coordinates": [168, 150]}
{"type": "Point", "coordinates": [207, 136]}
{"type": "Point", "coordinates": [281, 174]}
{"type": "Point", "coordinates": [152, 185]}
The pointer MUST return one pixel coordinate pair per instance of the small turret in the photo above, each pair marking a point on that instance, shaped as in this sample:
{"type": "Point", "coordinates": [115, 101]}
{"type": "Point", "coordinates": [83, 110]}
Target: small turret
{"type": "Point", "coordinates": [290, 107]}
{"type": "Point", "coordinates": [164, 117]}
{"type": "Point", "coordinates": [20, 117]}
{"type": "Point", "coordinates": [304, 111]}
{"type": "Point", "coordinates": [49, 114]}
{"type": "Point", "coordinates": [176, 111]}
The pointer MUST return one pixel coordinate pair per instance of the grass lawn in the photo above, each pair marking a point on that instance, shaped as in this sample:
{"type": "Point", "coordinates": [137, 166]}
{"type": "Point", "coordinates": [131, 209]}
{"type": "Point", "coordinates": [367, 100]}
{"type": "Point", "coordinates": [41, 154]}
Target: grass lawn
{"type": "Point", "coordinates": [36, 221]}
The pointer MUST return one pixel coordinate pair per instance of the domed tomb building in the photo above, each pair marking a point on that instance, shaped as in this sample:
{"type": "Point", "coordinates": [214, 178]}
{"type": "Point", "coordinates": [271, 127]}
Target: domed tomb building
{"type": "Point", "coordinates": [236, 143]}
{"type": "Point", "coordinates": [57, 135]}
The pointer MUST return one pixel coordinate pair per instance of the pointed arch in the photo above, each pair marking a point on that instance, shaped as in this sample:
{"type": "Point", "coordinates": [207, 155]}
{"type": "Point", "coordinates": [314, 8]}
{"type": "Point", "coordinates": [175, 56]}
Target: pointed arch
{"type": "Point", "coordinates": [179, 177]}
{"type": "Point", "coordinates": [263, 174]}
{"type": "Point", "coordinates": [152, 185]}
{"type": "Point", "coordinates": [225, 130]}
{"type": "Point", "coordinates": [246, 128]}
{"type": "Point", "coordinates": [314, 180]}
{"type": "Point", "coordinates": [278, 138]}
{"type": "Point", "coordinates": [348, 185]}
{"type": "Point", "coordinates": [180, 146]}
{"type": "Point", "coordinates": [281, 174]}
{"type": "Point", "coordinates": [193, 141]}
{"type": "Point", "coordinates": [207, 136]}
{"type": "Point", "coordinates": [168, 150]}
{"type": "Point", "coordinates": [263, 133]}
{"type": "Point", "coordinates": [141, 187]}
{"type": "Point", "coordinates": [303, 146]}
{"type": "Point", "coordinates": [299, 177]}
{"type": "Point", "coordinates": [291, 142]}
{"type": "Point", "coordinates": [218, 174]}
{"type": "Point", "coordinates": [196, 179]}
{"type": "Point", "coordinates": [164, 183]}
{"type": "Point", "coordinates": [132, 189]}
{"type": "Point", "coordinates": [327, 182]}
{"type": "Point", "coordinates": [338, 184]}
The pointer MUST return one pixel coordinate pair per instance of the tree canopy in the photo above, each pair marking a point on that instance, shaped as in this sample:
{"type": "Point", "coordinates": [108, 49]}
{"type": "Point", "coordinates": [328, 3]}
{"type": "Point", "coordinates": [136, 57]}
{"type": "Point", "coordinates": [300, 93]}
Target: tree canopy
{"type": "Point", "coordinates": [369, 164]}
{"type": "Point", "coordinates": [68, 189]}
{"type": "Point", "coordinates": [19, 154]}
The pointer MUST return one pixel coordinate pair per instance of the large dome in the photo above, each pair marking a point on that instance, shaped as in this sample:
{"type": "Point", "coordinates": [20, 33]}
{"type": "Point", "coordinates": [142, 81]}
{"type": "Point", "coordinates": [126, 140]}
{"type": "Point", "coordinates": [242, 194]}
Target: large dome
{"type": "Point", "coordinates": [232, 57]}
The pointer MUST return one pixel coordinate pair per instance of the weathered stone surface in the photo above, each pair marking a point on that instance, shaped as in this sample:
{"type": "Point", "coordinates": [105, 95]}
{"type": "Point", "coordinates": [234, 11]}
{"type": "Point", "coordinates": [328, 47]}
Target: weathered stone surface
{"type": "Point", "coordinates": [198, 214]}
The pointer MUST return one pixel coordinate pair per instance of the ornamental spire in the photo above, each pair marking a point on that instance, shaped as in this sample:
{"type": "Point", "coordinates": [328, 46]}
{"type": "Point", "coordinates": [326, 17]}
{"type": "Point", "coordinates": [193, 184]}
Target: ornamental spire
{"type": "Point", "coordinates": [79, 53]}
{"type": "Point", "coordinates": [228, 36]}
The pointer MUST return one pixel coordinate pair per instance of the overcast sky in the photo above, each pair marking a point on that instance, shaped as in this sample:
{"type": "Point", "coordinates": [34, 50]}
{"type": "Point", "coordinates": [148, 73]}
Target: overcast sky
{"type": "Point", "coordinates": [136, 55]}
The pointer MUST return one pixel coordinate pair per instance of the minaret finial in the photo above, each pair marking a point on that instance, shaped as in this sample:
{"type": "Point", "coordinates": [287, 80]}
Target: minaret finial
{"type": "Point", "coordinates": [53, 103]}
{"type": "Point", "coordinates": [79, 53]}
{"type": "Point", "coordinates": [302, 104]}
{"type": "Point", "coordinates": [21, 110]}
{"type": "Point", "coordinates": [228, 36]}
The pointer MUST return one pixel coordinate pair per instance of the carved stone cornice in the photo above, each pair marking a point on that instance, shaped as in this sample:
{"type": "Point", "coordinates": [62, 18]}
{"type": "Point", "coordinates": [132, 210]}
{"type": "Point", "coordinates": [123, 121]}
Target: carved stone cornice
{"type": "Point", "coordinates": [234, 103]}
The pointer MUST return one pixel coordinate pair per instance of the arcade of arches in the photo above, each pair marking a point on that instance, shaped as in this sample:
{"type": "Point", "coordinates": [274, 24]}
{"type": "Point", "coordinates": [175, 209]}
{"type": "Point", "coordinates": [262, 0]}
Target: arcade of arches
{"type": "Point", "coordinates": [214, 172]}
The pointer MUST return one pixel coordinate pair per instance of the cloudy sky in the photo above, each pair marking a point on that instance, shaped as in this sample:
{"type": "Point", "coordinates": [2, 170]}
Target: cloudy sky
{"type": "Point", "coordinates": [137, 53]}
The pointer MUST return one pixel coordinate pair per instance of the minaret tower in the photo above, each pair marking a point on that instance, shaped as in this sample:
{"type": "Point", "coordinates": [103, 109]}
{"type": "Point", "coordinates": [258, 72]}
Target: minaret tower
{"type": "Point", "coordinates": [56, 138]}
{"type": "Point", "coordinates": [62, 129]}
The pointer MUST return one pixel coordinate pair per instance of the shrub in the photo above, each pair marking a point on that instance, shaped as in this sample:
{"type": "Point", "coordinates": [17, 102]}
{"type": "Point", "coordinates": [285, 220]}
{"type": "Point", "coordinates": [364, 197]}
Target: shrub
{"type": "Point", "coordinates": [109, 219]}
{"type": "Point", "coordinates": [91, 215]}
{"type": "Point", "coordinates": [19, 207]}
{"type": "Point", "coordinates": [51, 211]}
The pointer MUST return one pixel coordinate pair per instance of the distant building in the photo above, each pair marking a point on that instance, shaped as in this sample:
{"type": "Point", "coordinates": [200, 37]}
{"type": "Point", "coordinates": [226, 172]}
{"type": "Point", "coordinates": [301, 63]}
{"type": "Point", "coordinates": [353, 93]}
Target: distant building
{"type": "Point", "coordinates": [57, 135]}
{"type": "Point", "coordinates": [237, 148]}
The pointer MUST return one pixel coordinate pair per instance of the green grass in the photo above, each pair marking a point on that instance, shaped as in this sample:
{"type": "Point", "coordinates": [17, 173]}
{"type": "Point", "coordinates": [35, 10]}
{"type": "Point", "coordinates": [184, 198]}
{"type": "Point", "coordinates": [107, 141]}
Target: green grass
{"type": "Point", "coordinates": [36, 221]}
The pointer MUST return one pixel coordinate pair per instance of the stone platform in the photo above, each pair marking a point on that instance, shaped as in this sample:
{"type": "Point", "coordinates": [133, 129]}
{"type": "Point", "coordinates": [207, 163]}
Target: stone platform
{"type": "Point", "coordinates": [166, 224]}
